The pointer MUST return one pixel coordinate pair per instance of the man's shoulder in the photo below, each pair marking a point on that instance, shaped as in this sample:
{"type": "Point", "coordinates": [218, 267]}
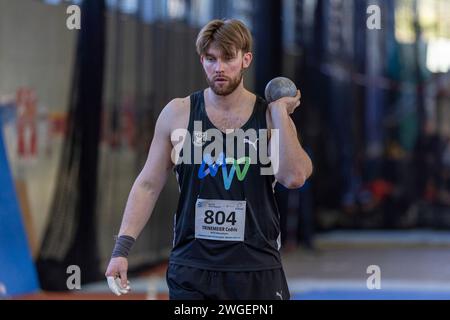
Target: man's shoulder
{"type": "Point", "coordinates": [176, 113]}
{"type": "Point", "coordinates": [179, 104]}
{"type": "Point", "coordinates": [176, 108]}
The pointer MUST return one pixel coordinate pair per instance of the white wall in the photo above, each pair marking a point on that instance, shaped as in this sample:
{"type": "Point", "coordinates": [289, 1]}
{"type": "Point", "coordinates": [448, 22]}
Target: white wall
{"type": "Point", "coordinates": [36, 50]}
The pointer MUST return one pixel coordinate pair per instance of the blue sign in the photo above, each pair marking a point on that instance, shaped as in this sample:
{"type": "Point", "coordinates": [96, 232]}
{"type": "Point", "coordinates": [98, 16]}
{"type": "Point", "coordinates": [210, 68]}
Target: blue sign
{"type": "Point", "coordinates": [17, 271]}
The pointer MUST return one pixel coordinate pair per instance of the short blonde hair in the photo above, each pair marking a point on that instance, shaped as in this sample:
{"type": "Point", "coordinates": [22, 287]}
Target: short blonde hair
{"type": "Point", "coordinates": [229, 35]}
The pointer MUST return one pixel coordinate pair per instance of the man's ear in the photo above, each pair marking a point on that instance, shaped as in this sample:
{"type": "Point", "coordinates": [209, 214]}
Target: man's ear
{"type": "Point", "coordinates": [247, 60]}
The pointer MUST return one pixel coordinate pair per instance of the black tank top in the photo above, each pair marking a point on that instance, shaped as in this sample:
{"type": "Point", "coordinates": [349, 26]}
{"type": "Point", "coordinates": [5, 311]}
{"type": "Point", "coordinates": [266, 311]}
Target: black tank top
{"type": "Point", "coordinates": [258, 247]}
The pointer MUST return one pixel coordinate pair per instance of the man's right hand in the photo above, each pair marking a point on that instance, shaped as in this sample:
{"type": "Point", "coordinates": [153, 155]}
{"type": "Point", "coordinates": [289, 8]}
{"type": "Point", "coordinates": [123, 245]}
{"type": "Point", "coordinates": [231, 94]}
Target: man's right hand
{"type": "Point", "coordinates": [116, 274]}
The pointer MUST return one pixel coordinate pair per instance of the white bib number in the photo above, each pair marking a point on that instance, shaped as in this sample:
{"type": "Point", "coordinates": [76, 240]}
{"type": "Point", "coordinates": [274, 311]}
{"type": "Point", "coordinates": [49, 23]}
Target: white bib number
{"type": "Point", "coordinates": [222, 220]}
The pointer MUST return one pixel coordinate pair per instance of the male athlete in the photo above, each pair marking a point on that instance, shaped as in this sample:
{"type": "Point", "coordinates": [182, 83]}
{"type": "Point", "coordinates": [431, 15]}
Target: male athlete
{"type": "Point", "coordinates": [227, 230]}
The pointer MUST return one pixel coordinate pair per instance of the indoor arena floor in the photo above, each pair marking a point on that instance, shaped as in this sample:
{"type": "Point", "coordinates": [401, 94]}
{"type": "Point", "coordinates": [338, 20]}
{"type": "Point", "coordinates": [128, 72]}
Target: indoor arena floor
{"type": "Point", "coordinates": [412, 264]}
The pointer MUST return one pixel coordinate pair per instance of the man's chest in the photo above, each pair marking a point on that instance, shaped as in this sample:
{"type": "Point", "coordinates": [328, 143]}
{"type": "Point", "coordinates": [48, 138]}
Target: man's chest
{"type": "Point", "coordinates": [225, 120]}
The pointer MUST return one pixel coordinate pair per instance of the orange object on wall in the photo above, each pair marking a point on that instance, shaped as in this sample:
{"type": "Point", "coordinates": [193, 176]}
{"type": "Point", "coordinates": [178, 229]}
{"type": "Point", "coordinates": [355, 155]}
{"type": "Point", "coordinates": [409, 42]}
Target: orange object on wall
{"type": "Point", "coordinates": [26, 102]}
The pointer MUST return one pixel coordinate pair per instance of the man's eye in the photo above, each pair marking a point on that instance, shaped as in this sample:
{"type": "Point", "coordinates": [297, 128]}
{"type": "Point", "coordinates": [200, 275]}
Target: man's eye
{"type": "Point", "coordinates": [210, 59]}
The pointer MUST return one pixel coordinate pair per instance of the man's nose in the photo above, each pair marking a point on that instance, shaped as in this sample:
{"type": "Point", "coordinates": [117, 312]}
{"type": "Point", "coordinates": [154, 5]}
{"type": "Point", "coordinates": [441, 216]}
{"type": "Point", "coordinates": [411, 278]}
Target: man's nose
{"type": "Point", "coordinates": [219, 66]}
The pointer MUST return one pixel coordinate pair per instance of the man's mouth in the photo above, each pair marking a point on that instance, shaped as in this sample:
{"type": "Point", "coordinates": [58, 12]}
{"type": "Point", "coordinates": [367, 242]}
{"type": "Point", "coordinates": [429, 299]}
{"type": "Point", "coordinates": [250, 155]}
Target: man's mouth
{"type": "Point", "coordinates": [220, 80]}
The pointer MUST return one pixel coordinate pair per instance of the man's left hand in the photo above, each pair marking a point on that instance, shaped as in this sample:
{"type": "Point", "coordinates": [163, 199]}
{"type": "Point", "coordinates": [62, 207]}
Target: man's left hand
{"type": "Point", "coordinates": [287, 103]}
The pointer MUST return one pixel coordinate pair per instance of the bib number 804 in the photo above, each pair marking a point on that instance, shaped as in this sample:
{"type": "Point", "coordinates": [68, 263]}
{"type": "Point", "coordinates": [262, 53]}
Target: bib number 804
{"type": "Point", "coordinates": [219, 217]}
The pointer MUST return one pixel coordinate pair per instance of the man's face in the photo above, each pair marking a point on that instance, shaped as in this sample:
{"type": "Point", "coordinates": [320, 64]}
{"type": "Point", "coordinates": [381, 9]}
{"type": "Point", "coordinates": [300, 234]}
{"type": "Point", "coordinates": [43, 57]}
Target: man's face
{"type": "Point", "coordinates": [224, 74]}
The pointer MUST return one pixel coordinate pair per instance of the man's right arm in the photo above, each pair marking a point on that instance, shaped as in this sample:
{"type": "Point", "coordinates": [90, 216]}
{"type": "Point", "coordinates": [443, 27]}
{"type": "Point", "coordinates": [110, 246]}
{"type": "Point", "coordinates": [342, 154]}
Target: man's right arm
{"type": "Point", "coordinates": [146, 188]}
{"type": "Point", "coordinates": [151, 180]}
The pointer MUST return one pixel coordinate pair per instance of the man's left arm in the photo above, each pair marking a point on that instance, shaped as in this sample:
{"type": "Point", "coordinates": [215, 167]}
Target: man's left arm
{"type": "Point", "coordinates": [295, 166]}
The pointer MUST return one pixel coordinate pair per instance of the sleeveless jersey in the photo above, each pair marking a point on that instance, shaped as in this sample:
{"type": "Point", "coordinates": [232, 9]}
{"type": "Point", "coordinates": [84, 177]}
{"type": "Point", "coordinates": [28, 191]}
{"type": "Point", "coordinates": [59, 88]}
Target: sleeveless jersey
{"type": "Point", "coordinates": [227, 218]}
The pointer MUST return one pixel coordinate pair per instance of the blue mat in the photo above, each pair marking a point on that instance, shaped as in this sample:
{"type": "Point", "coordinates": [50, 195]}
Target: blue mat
{"type": "Point", "coordinates": [17, 272]}
{"type": "Point", "coordinates": [370, 295]}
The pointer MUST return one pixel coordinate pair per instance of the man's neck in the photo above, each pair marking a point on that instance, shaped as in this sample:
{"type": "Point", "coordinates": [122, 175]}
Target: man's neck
{"type": "Point", "coordinates": [231, 102]}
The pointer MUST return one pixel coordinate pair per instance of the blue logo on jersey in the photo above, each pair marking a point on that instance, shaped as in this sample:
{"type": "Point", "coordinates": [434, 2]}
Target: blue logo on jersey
{"type": "Point", "coordinates": [209, 167]}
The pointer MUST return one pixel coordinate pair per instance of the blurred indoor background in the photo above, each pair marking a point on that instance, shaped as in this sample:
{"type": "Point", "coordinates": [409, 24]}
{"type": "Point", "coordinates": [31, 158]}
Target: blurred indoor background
{"type": "Point", "coordinates": [78, 108]}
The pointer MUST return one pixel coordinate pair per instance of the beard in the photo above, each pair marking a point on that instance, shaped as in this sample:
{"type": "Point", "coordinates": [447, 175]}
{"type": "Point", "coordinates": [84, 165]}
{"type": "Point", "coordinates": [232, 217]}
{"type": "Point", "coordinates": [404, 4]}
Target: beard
{"type": "Point", "coordinates": [226, 88]}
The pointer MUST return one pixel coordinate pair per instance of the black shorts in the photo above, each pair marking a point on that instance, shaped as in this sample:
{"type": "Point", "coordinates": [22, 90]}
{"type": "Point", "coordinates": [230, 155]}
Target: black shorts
{"type": "Point", "coordinates": [187, 283]}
